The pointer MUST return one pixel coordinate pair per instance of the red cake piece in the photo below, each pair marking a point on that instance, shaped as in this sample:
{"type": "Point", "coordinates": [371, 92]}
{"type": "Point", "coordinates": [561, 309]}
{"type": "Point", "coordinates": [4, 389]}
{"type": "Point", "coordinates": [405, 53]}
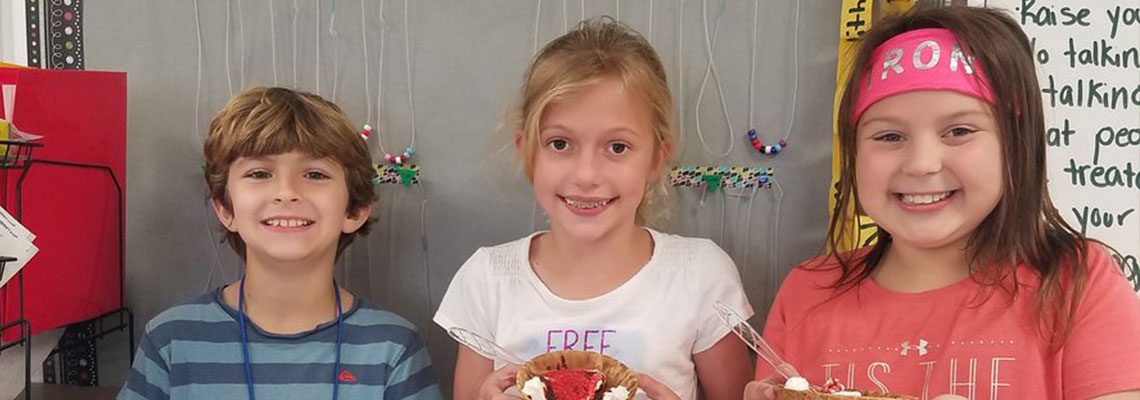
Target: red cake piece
{"type": "Point", "coordinates": [573, 384]}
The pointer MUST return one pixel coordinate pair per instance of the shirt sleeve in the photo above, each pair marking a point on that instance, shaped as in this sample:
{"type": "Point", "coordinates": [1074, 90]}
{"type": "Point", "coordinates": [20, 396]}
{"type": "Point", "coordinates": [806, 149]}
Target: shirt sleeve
{"type": "Point", "coordinates": [1102, 354]}
{"type": "Point", "coordinates": [468, 301]}
{"type": "Point", "coordinates": [412, 376]}
{"type": "Point", "coordinates": [149, 377]}
{"type": "Point", "coordinates": [722, 285]}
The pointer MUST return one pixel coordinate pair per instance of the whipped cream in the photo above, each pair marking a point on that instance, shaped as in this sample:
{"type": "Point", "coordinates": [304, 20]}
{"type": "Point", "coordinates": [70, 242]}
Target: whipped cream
{"type": "Point", "coordinates": [534, 389]}
{"type": "Point", "coordinates": [847, 393]}
{"type": "Point", "coordinates": [616, 393]}
{"type": "Point", "coordinates": [797, 383]}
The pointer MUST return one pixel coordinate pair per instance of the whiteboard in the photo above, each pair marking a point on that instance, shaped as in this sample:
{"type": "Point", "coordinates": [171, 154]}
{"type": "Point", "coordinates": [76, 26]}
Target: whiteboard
{"type": "Point", "coordinates": [1088, 58]}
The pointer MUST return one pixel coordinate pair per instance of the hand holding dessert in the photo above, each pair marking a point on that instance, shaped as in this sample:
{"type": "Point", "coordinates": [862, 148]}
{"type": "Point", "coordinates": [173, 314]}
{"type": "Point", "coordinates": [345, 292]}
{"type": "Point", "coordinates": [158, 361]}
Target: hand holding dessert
{"type": "Point", "coordinates": [762, 390]}
{"type": "Point", "coordinates": [798, 388]}
{"type": "Point", "coordinates": [576, 375]}
{"type": "Point", "coordinates": [497, 382]}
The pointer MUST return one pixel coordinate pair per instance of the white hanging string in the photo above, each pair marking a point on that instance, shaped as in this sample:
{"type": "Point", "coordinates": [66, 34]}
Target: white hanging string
{"type": "Point", "coordinates": [407, 77]}
{"type": "Point", "coordinates": [748, 229]}
{"type": "Point", "coordinates": [202, 137]}
{"type": "Point", "coordinates": [680, 76]}
{"type": "Point", "coordinates": [336, 50]}
{"type": "Point", "coordinates": [380, 79]}
{"type": "Point", "coordinates": [650, 21]}
{"type": "Point", "coordinates": [774, 266]}
{"type": "Point", "coordinates": [317, 5]}
{"type": "Point", "coordinates": [537, 16]}
{"type": "Point", "coordinates": [412, 108]}
{"type": "Point", "coordinates": [752, 63]}
{"type": "Point", "coordinates": [368, 243]}
{"type": "Point", "coordinates": [733, 246]}
{"type": "Point", "coordinates": [709, 40]}
{"type": "Point", "coordinates": [229, 20]}
{"type": "Point", "coordinates": [565, 18]}
{"type": "Point", "coordinates": [795, 70]}
{"type": "Point", "coordinates": [723, 213]}
{"type": "Point", "coordinates": [408, 71]}
{"type": "Point", "coordinates": [296, 14]}
{"type": "Point", "coordinates": [241, 39]}
{"type": "Point", "coordinates": [198, 90]}
{"type": "Point", "coordinates": [392, 228]}
{"type": "Point", "coordinates": [367, 73]}
{"type": "Point", "coordinates": [273, 42]}
{"type": "Point", "coordinates": [534, 52]}
{"type": "Point", "coordinates": [424, 251]}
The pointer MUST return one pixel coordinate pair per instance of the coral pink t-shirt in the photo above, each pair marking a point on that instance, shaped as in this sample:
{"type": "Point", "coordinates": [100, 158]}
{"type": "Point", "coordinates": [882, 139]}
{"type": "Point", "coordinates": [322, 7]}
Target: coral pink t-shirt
{"type": "Point", "coordinates": [946, 341]}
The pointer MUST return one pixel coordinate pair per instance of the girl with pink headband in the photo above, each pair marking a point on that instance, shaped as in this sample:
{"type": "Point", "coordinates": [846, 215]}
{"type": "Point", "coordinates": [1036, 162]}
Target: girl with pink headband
{"type": "Point", "coordinates": [974, 286]}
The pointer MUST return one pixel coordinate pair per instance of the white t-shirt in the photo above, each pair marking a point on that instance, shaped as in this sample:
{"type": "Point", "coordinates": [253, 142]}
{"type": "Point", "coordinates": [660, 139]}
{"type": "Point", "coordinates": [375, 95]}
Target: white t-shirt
{"type": "Point", "coordinates": [654, 322]}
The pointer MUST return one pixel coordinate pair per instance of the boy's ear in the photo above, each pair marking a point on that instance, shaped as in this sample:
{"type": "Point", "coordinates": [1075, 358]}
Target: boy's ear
{"type": "Point", "coordinates": [354, 221]}
{"type": "Point", "coordinates": [224, 216]}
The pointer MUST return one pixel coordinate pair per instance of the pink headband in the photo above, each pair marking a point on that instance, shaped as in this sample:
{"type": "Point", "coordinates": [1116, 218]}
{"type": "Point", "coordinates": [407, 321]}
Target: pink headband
{"type": "Point", "coordinates": [922, 59]}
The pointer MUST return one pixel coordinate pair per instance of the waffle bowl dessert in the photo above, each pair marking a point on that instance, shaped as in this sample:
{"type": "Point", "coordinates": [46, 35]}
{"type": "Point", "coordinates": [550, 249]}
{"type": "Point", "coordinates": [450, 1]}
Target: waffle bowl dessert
{"type": "Point", "coordinates": [576, 375]}
{"type": "Point", "coordinates": [797, 388]}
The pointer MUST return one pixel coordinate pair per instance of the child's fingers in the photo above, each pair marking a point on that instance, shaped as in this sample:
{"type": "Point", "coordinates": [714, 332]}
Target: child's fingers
{"type": "Point", "coordinates": [774, 379]}
{"type": "Point", "coordinates": [656, 390]}
{"type": "Point", "coordinates": [498, 382]}
{"type": "Point", "coordinates": [759, 390]}
{"type": "Point", "coordinates": [505, 376]}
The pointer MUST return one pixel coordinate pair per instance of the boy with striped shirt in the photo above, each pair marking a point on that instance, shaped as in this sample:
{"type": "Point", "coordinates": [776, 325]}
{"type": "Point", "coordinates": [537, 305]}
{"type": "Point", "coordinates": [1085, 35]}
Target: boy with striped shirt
{"type": "Point", "coordinates": [291, 182]}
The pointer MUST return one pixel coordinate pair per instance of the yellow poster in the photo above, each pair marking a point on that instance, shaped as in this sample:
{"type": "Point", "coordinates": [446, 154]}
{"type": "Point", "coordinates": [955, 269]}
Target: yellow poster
{"type": "Point", "coordinates": [855, 19]}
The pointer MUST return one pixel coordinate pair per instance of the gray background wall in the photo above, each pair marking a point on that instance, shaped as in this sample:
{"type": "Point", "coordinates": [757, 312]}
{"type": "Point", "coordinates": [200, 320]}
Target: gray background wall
{"type": "Point", "coordinates": [467, 58]}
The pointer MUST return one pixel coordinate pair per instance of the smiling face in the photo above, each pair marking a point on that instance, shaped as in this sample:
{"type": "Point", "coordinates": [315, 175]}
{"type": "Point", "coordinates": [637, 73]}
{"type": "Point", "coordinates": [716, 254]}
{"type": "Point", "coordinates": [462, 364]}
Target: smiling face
{"type": "Point", "coordinates": [288, 208]}
{"type": "Point", "coordinates": [596, 155]}
{"type": "Point", "coordinates": [929, 166]}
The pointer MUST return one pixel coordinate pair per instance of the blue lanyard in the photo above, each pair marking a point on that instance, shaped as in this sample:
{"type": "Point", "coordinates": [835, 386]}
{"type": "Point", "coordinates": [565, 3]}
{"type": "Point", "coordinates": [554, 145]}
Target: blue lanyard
{"type": "Point", "coordinates": [245, 340]}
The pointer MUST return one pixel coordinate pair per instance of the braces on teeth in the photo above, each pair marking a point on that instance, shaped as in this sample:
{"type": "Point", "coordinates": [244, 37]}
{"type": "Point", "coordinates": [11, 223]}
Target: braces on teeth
{"type": "Point", "coordinates": [586, 204]}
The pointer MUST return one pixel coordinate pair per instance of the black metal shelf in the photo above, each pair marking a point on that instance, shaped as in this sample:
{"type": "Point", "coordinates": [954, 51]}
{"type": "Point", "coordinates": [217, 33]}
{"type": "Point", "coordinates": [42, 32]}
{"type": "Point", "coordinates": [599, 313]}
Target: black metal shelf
{"type": "Point", "coordinates": [17, 155]}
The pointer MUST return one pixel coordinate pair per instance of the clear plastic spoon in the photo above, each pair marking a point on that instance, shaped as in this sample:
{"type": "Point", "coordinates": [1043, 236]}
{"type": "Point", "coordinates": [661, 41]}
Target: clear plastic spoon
{"type": "Point", "coordinates": [483, 346]}
{"type": "Point", "coordinates": [754, 341]}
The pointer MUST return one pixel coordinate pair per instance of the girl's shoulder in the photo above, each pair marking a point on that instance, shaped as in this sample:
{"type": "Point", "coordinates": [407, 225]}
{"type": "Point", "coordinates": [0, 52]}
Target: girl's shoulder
{"type": "Point", "coordinates": [672, 244]}
{"type": "Point", "coordinates": [503, 258]}
{"type": "Point", "coordinates": [1105, 265]}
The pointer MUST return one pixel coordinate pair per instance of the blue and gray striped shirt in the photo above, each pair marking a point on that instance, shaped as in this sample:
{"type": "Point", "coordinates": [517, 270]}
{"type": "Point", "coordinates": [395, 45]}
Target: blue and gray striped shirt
{"type": "Point", "coordinates": [193, 351]}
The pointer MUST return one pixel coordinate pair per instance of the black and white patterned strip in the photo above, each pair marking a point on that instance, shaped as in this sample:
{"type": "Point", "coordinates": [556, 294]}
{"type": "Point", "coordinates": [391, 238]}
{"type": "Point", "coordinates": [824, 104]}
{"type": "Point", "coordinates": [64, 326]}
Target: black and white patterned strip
{"type": "Point", "coordinates": [33, 22]}
{"type": "Point", "coordinates": [65, 34]}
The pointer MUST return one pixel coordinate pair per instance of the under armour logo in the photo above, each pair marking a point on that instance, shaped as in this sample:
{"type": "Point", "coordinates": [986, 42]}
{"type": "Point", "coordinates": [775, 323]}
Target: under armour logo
{"type": "Point", "coordinates": [921, 347]}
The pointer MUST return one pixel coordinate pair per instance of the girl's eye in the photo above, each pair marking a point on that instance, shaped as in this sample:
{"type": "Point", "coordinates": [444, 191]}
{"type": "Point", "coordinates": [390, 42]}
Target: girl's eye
{"type": "Point", "coordinates": [316, 175]}
{"type": "Point", "coordinates": [619, 148]}
{"type": "Point", "coordinates": [889, 137]}
{"type": "Point", "coordinates": [257, 174]}
{"type": "Point", "coordinates": [558, 144]}
{"type": "Point", "coordinates": [961, 131]}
